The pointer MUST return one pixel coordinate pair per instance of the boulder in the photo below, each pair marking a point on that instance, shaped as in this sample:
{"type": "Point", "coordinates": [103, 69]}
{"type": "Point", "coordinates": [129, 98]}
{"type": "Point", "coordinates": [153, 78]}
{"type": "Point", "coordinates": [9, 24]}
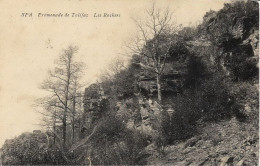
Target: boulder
{"type": "Point", "coordinates": [191, 142]}
{"type": "Point", "coordinates": [227, 160]}
{"type": "Point", "coordinates": [241, 163]}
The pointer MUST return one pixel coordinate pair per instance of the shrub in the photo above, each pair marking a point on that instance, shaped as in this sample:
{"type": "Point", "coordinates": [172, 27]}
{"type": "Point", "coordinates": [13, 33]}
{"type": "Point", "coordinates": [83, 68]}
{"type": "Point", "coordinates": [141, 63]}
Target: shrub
{"type": "Point", "coordinates": [114, 144]}
{"type": "Point", "coordinates": [247, 95]}
{"type": "Point", "coordinates": [210, 101]}
{"type": "Point", "coordinates": [30, 149]}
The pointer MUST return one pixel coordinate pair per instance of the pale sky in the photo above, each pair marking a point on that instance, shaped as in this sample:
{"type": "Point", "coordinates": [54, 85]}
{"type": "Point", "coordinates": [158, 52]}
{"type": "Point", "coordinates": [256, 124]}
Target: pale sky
{"type": "Point", "coordinates": [25, 53]}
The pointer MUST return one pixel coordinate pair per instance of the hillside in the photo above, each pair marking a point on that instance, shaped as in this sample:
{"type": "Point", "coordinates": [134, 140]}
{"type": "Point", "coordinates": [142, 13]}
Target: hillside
{"type": "Point", "coordinates": [229, 49]}
{"type": "Point", "coordinates": [189, 97]}
{"type": "Point", "coordinates": [226, 142]}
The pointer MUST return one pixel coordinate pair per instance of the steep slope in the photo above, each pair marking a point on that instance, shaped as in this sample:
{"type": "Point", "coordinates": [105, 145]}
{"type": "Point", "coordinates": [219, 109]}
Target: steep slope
{"type": "Point", "coordinates": [229, 142]}
{"type": "Point", "coordinates": [209, 115]}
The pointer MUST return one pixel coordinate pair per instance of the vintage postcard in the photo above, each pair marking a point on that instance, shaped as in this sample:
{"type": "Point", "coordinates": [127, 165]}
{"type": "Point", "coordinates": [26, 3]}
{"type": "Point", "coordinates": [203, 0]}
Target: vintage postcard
{"type": "Point", "coordinates": [129, 82]}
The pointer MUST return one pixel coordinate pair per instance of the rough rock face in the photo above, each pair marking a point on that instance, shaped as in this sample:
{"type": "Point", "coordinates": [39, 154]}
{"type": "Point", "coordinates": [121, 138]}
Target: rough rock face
{"type": "Point", "coordinates": [138, 114]}
{"type": "Point", "coordinates": [172, 78]}
{"type": "Point", "coordinates": [95, 102]}
{"type": "Point", "coordinates": [253, 40]}
{"type": "Point", "coordinates": [234, 30]}
{"type": "Point", "coordinates": [145, 117]}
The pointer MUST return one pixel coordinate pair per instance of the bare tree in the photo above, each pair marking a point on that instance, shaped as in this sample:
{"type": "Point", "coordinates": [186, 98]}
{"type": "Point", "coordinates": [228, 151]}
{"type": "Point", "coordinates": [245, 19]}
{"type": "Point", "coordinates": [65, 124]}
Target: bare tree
{"type": "Point", "coordinates": [59, 84]}
{"type": "Point", "coordinates": [76, 100]}
{"type": "Point", "coordinates": [113, 68]}
{"type": "Point", "coordinates": [153, 41]}
{"type": "Point", "coordinates": [51, 114]}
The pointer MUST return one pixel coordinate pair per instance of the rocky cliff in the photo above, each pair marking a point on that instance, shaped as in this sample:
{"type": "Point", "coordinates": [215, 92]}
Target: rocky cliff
{"type": "Point", "coordinates": [234, 30]}
{"type": "Point", "coordinates": [226, 45]}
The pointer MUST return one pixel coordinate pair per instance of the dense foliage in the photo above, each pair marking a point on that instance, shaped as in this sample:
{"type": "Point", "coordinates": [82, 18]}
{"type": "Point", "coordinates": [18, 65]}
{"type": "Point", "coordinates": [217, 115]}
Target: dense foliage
{"type": "Point", "coordinates": [30, 149]}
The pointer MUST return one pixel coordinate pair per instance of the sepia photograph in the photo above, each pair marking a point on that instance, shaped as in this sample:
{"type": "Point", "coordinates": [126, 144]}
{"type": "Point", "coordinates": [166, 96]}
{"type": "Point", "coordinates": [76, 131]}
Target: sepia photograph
{"type": "Point", "coordinates": [129, 82]}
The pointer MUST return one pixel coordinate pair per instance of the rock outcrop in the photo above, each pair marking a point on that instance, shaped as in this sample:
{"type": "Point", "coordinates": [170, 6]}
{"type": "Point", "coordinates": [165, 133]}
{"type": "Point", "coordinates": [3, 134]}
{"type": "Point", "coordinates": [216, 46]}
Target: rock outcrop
{"type": "Point", "coordinates": [145, 118]}
{"type": "Point", "coordinates": [236, 34]}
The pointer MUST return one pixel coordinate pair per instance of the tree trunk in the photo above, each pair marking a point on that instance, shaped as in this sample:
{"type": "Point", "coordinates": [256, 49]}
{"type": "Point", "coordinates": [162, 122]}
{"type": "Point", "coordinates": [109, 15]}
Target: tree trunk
{"type": "Point", "coordinates": [73, 118]}
{"type": "Point", "coordinates": [159, 92]}
{"type": "Point", "coordinates": [64, 125]}
{"type": "Point", "coordinates": [54, 131]}
{"type": "Point", "coordinates": [64, 120]}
